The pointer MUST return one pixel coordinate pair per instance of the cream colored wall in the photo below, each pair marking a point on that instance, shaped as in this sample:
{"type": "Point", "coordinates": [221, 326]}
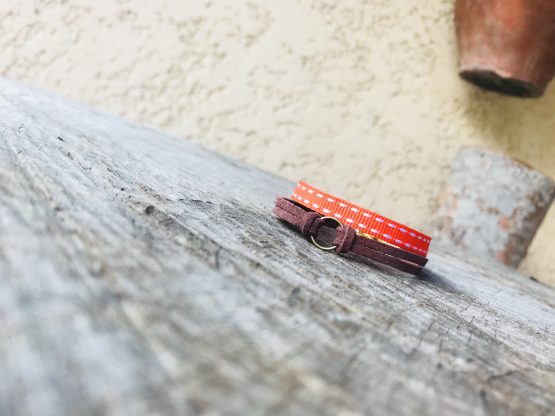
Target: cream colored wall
{"type": "Point", "coordinates": [358, 97]}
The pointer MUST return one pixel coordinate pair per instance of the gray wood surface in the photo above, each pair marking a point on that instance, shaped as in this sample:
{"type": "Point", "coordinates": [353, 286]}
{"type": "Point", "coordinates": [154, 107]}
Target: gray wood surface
{"type": "Point", "coordinates": [143, 275]}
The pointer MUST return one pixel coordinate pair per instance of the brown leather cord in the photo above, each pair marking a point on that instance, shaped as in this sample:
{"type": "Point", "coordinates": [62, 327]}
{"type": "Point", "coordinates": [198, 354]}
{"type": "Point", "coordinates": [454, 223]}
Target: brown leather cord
{"type": "Point", "coordinates": [302, 217]}
{"type": "Point", "coordinates": [346, 240]}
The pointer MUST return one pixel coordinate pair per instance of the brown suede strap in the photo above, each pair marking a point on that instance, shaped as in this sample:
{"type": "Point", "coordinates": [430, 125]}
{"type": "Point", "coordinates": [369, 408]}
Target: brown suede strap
{"type": "Point", "coordinates": [346, 240]}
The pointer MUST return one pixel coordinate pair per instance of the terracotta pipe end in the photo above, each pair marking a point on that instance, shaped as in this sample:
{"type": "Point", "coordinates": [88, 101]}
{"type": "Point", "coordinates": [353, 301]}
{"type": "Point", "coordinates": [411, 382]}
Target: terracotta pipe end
{"type": "Point", "coordinates": [507, 46]}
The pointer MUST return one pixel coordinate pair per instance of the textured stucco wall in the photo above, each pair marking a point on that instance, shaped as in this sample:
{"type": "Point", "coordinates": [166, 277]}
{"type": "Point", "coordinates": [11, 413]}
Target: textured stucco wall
{"type": "Point", "coordinates": [359, 97]}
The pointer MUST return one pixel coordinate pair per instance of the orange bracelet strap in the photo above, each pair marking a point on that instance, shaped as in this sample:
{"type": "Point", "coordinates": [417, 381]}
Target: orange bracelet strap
{"type": "Point", "coordinates": [365, 222]}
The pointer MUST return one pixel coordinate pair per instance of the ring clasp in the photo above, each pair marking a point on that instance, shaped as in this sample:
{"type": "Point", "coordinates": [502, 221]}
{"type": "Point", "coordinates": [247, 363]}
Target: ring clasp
{"type": "Point", "coordinates": [326, 248]}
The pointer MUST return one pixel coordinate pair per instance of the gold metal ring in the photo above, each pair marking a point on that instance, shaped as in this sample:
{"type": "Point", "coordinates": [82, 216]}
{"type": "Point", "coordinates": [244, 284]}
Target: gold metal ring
{"type": "Point", "coordinates": [324, 247]}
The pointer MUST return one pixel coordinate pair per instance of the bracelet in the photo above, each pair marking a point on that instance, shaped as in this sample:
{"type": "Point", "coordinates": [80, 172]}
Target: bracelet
{"type": "Point", "coordinates": [346, 240]}
{"type": "Point", "coordinates": [367, 223]}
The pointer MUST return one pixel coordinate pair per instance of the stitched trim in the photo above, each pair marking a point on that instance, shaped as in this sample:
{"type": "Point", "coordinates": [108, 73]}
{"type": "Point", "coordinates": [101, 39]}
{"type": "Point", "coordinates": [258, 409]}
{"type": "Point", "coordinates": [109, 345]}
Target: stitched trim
{"type": "Point", "coordinates": [381, 227]}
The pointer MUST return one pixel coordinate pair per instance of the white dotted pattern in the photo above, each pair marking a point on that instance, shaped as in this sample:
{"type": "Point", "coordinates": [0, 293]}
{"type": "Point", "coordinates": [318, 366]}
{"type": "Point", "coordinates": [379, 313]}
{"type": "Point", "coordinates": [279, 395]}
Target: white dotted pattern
{"type": "Point", "coordinates": [366, 215]}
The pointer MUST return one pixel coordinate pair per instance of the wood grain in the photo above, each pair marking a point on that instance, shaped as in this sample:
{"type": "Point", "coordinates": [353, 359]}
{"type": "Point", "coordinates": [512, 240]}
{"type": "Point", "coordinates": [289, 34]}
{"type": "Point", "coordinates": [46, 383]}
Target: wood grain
{"type": "Point", "coordinates": [141, 274]}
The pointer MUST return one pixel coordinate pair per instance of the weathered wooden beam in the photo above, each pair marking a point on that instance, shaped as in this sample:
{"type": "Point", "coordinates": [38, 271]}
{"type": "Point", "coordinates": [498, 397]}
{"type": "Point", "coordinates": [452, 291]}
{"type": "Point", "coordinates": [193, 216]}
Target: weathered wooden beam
{"type": "Point", "coordinates": [141, 274]}
{"type": "Point", "coordinates": [492, 205]}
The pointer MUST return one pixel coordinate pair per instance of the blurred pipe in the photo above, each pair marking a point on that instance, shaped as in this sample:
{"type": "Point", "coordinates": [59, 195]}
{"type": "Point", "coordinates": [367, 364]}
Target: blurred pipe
{"type": "Point", "coordinates": [507, 46]}
{"type": "Point", "coordinates": [492, 205]}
